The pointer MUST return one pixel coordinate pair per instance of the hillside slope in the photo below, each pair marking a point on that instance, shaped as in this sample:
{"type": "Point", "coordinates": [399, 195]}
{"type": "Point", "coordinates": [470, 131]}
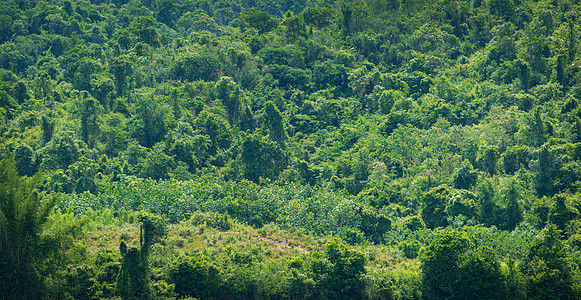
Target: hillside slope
{"type": "Point", "coordinates": [384, 125]}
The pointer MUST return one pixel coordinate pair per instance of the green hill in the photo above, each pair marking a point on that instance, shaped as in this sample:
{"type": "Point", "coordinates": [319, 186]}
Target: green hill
{"type": "Point", "coordinates": [290, 149]}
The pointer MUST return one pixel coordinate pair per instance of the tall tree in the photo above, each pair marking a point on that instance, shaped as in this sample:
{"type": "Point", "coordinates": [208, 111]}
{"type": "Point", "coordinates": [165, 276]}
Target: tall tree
{"type": "Point", "coordinates": [122, 69]}
{"type": "Point", "coordinates": [133, 278]}
{"type": "Point", "coordinates": [149, 125]}
{"type": "Point", "coordinates": [23, 212]}
{"type": "Point", "coordinates": [544, 180]}
{"type": "Point", "coordinates": [486, 207]}
{"type": "Point", "coordinates": [231, 95]}
{"type": "Point", "coordinates": [538, 129]}
{"type": "Point", "coordinates": [47, 126]}
{"type": "Point", "coordinates": [513, 212]}
{"type": "Point", "coordinates": [275, 123]}
{"type": "Point", "coordinates": [440, 265]}
{"type": "Point", "coordinates": [547, 267]}
{"type": "Point", "coordinates": [89, 112]}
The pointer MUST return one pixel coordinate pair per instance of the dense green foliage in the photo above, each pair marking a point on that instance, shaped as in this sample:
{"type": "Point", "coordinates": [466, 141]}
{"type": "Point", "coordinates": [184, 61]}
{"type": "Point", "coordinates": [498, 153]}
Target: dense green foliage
{"type": "Point", "coordinates": [445, 135]}
{"type": "Point", "coordinates": [27, 251]}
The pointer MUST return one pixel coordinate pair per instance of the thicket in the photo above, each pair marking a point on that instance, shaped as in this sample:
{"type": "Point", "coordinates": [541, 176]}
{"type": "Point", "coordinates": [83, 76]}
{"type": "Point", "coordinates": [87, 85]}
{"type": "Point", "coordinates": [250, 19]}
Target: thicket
{"type": "Point", "coordinates": [447, 132]}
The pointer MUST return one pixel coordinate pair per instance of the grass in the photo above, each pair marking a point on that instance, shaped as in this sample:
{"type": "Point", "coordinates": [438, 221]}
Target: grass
{"type": "Point", "coordinates": [260, 256]}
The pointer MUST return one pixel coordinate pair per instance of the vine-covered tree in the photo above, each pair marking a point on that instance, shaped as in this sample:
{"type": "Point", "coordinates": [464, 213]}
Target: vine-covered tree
{"type": "Point", "coordinates": [133, 278]}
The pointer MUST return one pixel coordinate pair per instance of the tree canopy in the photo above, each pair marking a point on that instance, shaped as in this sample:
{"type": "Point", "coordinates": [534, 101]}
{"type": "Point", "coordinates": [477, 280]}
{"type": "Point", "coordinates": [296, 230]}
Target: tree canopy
{"type": "Point", "coordinates": [430, 128]}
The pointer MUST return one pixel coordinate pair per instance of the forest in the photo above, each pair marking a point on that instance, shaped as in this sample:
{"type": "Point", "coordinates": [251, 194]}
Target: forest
{"type": "Point", "coordinates": [297, 149]}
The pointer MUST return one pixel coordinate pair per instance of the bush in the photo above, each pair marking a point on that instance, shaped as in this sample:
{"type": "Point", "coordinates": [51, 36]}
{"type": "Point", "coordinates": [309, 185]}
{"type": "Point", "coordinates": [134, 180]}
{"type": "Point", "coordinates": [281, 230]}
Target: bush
{"type": "Point", "coordinates": [351, 236]}
{"type": "Point", "coordinates": [212, 219]}
{"type": "Point", "coordinates": [192, 276]}
{"type": "Point", "coordinates": [410, 249]}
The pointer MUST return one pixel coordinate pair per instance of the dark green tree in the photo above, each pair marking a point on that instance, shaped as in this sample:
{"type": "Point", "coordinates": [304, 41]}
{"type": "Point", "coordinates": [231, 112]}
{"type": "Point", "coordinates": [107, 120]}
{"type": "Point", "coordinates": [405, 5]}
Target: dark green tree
{"type": "Point", "coordinates": [576, 130]}
{"type": "Point", "coordinates": [547, 267]}
{"type": "Point", "coordinates": [538, 129]}
{"type": "Point", "coordinates": [63, 150]}
{"type": "Point", "coordinates": [82, 174]}
{"type": "Point", "coordinates": [441, 265]}
{"type": "Point", "coordinates": [337, 273]}
{"type": "Point", "coordinates": [295, 26]}
{"type": "Point", "coordinates": [347, 12]}
{"type": "Point", "coordinates": [167, 12]}
{"type": "Point", "coordinates": [133, 278]}
{"type": "Point", "coordinates": [198, 20]}
{"type": "Point", "coordinates": [560, 69]}
{"type": "Point", "coordinates": [7, 103]}
{"type": "Point", "coordinates": [216, 128]}
{"type": "Point", "coordinates": [462, 203]}
{"type": "Point", "coordinates": [465, 177]}
{"type": "Point", "coordinates": [259, 20]}
{"type": "Point", "coordinates": [262, 158]}
{"type": "Point", "coordinates": [434, 206]}
{"type": "Point", "coordinates": [561, 212]}
{"type": "Point", "coordinates": [480, 276]}
{"type": "Point", "coordinates": [487, 209]}
{"type": "Point", "coordinates": [88, 112]}
{"type": "Point", "coordinates": [502, 8]}
{"type": "Point", "coordinates": [546, 168]}
{"type": "Point", "coordinates": [487, 161]}
{"type": "Point", "coordinates": [25, 160]}
{"type": "Point", "coordinates": [23, 212]}
{"type": "Point", "coordinates": [81, 71]}
{"type": "Point", "coordinates": [133, 156]}
{"type": "Point", "coordinates": [231, 95]}
{"type": "Point", "coordinates": [513, 213]}
{"type": "Point", "coordinates": [101, 87]}
{"type": "Point", "coordinates": [572, 37]}
{"type": "Point", "coordinates": [157, 164]}
{"type": "Point", "coordinates": [194, 277]}
{"type": "Point", "coordinates": [122, 70]}
{"type": "Point", "coordinates": [515, 158]}
{"type": "Point", "coordinates": [275, 123]}
{"type": "Point", "coordinates": [183, 149]}
{"type": "Point", "coordinates": [47, 126]}
{"type": "Point", "coordinates": [142, 29]}
{"type": "Point", "coordinates": [374, 225]}
{"type": "Point", "coordinates": [20, 92]}
{"type": "Point", "coordinates": [149, 125]}
{"type": "Point", "coordinates": [319, 16]}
